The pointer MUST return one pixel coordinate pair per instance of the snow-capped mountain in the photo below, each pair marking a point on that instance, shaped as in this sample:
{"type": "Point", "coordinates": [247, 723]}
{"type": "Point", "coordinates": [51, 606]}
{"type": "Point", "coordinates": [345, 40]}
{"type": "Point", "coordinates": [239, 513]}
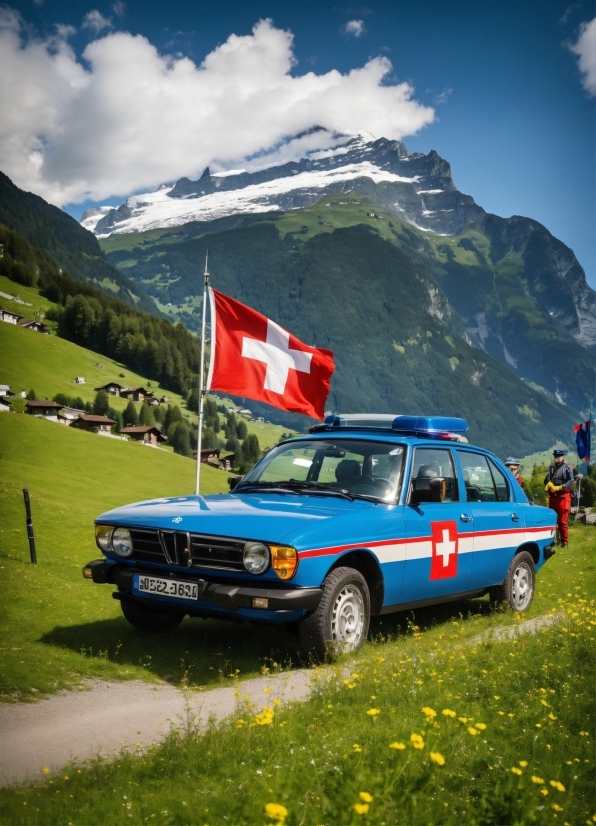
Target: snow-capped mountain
{"type": "Point", "coordinates": [415, 188]}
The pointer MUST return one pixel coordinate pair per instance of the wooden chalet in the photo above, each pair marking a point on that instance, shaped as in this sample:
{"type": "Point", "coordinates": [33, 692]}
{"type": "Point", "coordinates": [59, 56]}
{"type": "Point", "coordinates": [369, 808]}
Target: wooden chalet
{"type": "Point", "coordinates": [93, 423]}
{"type": "Point", "coordinates": [112, 388]}
{"type": "Point", "coordinates": [69, 415]}
{"type": "Point", "coordinates": [31, 324]}
{"type": "Point", "coordinates": [45, 408]}
{"type": "Point", "coordinates": [135, 394]}
{"type": "Point", "coordinates": [5, 404]}
{"type": "Point", "coordinates": [9, 316]}
{"type": "Point", "coordinates": [144, 433]}
{"type": "Point", "coordinates": [209, 455]}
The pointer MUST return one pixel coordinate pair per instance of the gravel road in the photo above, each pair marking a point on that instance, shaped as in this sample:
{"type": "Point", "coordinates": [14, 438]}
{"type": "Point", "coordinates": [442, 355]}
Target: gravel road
{"type": "Point", "coordinates": [106, 717]}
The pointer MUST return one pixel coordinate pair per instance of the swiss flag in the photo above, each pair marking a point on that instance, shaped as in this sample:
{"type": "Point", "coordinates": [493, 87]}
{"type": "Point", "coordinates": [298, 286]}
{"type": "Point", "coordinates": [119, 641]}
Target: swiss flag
{"type": "Point", "coordinates": [253, 356]}
{"type": "Point", "coordinates": [444, 560]}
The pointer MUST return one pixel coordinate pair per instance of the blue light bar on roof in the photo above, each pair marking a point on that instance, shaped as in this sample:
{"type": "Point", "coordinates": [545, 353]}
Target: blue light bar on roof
{"type": "Point", "coordinates": [387, 421]}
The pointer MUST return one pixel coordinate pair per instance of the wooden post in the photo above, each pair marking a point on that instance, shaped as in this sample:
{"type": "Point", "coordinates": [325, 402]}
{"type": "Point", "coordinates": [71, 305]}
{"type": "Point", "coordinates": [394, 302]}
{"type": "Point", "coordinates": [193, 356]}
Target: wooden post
{"type": "Point", "coordinates": [30, 532]}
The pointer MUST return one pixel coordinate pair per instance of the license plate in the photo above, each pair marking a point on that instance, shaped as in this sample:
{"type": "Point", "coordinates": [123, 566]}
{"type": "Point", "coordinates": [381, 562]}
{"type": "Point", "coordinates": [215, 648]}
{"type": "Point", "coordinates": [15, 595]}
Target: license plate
{"type": "Point", "coordinates": [166, 587]}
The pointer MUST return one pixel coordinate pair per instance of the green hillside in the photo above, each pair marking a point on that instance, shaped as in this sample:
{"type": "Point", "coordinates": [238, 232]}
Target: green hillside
{"type": "Point", "coordinates": [360, 291]}
{"type": "Point", "coordinates": [64, 239]}
{"type": "Point", "coordinates": [499, 282]}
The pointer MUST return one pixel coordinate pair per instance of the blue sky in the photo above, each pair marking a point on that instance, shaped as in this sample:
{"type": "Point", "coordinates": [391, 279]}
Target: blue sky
{"type": "Point", "coordinates": [511, 114]}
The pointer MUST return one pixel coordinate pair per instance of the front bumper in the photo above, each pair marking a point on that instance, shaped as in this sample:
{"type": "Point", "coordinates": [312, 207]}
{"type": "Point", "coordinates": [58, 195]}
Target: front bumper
{"type": "Point", "coordinates": [227, 597]}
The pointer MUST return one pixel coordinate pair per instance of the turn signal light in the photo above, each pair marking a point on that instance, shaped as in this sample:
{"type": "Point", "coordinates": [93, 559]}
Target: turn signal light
{"type": "Point", "coordinates": [284, 560]}
{"type": "Point", "coordinates": [87, 573]}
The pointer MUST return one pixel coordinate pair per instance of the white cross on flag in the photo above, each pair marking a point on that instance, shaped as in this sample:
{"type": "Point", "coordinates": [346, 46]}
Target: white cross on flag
{"type": "Point", "coordinates": [253, 357]}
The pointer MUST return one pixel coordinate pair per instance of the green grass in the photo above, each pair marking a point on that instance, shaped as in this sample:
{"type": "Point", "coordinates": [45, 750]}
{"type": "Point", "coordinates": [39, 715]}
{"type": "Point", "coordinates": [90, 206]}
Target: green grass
{"type": "Point", "coordinates": [28, 294]}
{"type": "Point", "coordinates": [515, 747]}
{"type": "Point", "coordinates": [55, 627]}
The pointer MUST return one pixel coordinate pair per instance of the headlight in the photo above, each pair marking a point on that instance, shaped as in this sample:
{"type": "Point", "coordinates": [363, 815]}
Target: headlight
{"type": "Point", "coordinates": [284, 560]}
{"type": "Point", "coordinates": [256, 557]}
{"type": "Point", "coordinates": [103, 537]}
{"type": "Point", "coordinates": [121, 542]}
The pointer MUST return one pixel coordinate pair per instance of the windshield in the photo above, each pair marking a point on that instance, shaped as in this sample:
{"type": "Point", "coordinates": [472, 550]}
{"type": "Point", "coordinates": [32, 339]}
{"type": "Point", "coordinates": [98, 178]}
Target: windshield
{"type": "Point", "coordinates": [350, 468]}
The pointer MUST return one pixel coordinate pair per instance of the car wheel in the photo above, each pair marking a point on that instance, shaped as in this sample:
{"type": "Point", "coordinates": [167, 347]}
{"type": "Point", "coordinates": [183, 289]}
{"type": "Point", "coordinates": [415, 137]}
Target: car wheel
{"type": "Point", "coordinates": [517, 589]}
{"type": "Point", "coordinates": [150, 619]}
{"type": "Point", "coordinates": [340, 622]}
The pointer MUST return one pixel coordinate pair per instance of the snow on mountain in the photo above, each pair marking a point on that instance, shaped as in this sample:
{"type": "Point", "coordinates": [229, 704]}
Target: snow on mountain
{"type": "Point", "coordinates": [415, 188]}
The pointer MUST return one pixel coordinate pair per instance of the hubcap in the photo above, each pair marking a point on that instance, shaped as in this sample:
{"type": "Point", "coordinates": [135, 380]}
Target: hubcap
{"type": "Point", "coordinates": [347, 620]}
{"type": "Point", "coordinates": [521, 588]}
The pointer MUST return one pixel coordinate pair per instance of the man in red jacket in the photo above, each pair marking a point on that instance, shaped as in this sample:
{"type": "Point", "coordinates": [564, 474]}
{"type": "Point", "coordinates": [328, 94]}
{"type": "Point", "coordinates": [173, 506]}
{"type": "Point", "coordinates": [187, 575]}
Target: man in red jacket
{"type": "Point", "coordinates": [558, 484]}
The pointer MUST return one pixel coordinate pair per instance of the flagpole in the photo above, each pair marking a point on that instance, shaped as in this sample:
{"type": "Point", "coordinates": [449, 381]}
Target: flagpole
{"type": "Point", "coordinates": [202, 375]}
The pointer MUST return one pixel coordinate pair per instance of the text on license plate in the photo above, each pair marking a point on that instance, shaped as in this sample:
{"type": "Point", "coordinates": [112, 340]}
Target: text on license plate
{"type": "Point", "coordinates": [167, 587]}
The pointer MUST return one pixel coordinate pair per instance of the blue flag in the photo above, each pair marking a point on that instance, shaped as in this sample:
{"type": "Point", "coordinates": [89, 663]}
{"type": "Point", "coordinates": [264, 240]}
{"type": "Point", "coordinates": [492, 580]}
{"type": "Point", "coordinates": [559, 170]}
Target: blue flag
{"type": "Point", "coordinates": [582, 439]}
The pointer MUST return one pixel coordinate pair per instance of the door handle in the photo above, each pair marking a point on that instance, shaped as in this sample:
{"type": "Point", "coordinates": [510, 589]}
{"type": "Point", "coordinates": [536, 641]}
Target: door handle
{"type": "Point", "coordinates": [514, 517]}
{"type": "Point", "coordinates": [465, 518]}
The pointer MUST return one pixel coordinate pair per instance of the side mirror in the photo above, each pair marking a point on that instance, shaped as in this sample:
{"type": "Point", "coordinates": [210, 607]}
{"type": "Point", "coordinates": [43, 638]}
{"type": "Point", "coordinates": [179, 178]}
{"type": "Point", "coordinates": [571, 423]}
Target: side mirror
{"type": "Point", "coordinates": [426, 489]}
{"type": "Point", "coordinates": [233, 481]}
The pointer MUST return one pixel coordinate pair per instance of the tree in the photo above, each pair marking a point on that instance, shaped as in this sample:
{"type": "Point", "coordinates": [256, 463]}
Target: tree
{"type": "Point", "coordinates": [62, 398]}
{"type": "Point", "coordinates": [159, 414]}
{"type": "Point", "coordinates": [251, 448]}
{"type": "Point", "coordinates": [209, 439]}
{"type": "Point", "coordinates": [173, 414]}
{"type": "Point", "coordinates": [534, 486]}
{"type": "Point", "coordinates": [146, 415]}
{"type": "Point", "coordinates": [78, 403]}
{"type": "Point", "coordinates": [241, 429]}
{"type": "Point", "coordinates": [232, 444]}
{"type": "Point", "coordinates": [116, 415]}
{"type": "Point", "coordinates": [101, 403]}
{"type": "Point", "coordinates": [230, 428]}
{"type": "Point", "coordinates": [129, 417]}
{"type": "Point", "coordinates": [179, 438]}
{"type": "Point", "coordinates": [31, 395]}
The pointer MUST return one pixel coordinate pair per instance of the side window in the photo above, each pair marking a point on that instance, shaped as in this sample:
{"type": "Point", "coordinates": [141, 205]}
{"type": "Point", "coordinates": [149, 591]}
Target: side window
{"type": "Point", "coordinates": [480, 486]}
{"type": "Point", "coordinates": [501, 485]}
{"type": "Point", "coordinates": [435, 462]}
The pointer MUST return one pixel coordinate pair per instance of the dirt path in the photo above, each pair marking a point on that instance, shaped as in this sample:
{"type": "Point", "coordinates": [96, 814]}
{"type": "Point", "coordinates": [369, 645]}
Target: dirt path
{"type": "Point", "coordinates": [107, 716]}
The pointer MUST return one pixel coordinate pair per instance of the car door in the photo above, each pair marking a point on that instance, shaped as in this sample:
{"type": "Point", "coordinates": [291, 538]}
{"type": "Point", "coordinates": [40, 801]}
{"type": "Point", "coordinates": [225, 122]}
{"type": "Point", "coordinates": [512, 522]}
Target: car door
{"type": "Point", "coordinates": [439, 534]}
{"type": "Point", "coordinates": [499, 526]}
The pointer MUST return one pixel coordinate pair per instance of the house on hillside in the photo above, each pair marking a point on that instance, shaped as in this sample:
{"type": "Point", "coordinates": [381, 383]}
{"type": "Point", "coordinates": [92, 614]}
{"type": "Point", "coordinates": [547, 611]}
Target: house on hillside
{"type": "Point", "coordinates": [9, 316]}
{"type": "Point", "coordinates": [69, 415]}
{"type": "Point", "coordinates": [79, 380]}
{"type": "Point", "coordinates": [209, 455]}
{"type": "Point", "coordinates": [135, 394]}
{"type": "Point", "coordinates": [31, 324]}
{"type": "Point", "coordinates": [112, 388]}
{"type": "Point", "coordinates": [5, 404]}
{"type": "Point", "coordinates": [144, 433]}
{"type": "Point", "coordinates": [5, 390]}
{"type": "Point", "coordinates": [164, 400]}
{"type": "Point", "coordinates": [43, 408]}
{"type": "Point", "coordinates": [93, 423]}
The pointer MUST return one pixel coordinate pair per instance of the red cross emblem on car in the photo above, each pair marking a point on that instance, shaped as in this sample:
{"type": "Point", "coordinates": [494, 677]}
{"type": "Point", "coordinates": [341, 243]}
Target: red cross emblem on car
{"type": "Point", "coordinates": [445, 546]}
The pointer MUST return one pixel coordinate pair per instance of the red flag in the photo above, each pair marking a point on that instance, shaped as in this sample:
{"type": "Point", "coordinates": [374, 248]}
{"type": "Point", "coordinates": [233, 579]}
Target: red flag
{"type": "Point", "coordinates": [253, 356]}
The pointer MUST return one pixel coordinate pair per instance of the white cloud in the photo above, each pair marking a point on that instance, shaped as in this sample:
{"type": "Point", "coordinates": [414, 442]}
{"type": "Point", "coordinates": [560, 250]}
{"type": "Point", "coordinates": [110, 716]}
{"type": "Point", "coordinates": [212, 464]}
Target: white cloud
{"type": "Point", "coordinates": [585, 49]}
{"type": "Point", "coordinates": [95, 21]}
{"type": "Point", "coordinates": [126, 118]}
{"type": "Point", "coordinates": [119, 8]}
{"type": "Point", "coordinates": [354, 27]}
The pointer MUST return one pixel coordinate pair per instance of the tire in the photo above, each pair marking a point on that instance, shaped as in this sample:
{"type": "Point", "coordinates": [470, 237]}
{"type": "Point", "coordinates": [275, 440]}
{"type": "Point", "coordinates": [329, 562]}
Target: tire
{"type": "Point", "coordinates": [150, 619]}
{"type": "Point", "coordinates": [517, 589]}
{"type": "Point", "coordinates": [340, 622]}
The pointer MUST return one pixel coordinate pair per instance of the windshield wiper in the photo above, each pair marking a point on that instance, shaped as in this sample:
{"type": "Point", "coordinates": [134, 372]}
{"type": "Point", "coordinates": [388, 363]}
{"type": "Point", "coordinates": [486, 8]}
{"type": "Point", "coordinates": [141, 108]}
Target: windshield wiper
{"type": "Point", "coordinates": [276, 487]}
{"type": "Point", "coordinates": [318, 488]}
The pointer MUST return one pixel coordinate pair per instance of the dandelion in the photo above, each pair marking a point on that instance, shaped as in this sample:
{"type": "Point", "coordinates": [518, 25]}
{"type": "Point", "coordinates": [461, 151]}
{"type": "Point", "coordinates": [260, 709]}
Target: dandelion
{"type": "Point", "coordinates": [437, 757]}
{"type": "Point", "coordinates": [365, 797]}
{"type": "Point", "coordinates": [481, 726]}
{"type": "Point", "coordinates": [544, 792]}
{"type": "Point", "coordinates": [276, 812]}
{"type": "Point", "coordinates": [515, 770]}
{"type": "Point", "coordinates": [463, 719]}
{"type": "Point", "coordinates": [557, 808]}
{"type": "Point", "coordinates": [372, 712]}
{"type": "Point", "coordinates": [361, 808]}
{"type": "Point", "coordinates": [448, 712]}
{"type": "Point", "coordinates": [417, 741]}
{"type": "Point", "coordinates": [45, 770]}
{"type": "Point", "coordinates": [356, 747]}
{"type": "Point", "coordinates": [397, 746]}
{"type": "Point", "coordinates": [522, 763]}
{"type": "Point", "coordinates": [538, 780]}
{"type": "Point", "coordinates": [266, 691]}
{"type": "Point", "coordinates": [473, 731]}
{"type": "Point", "coordinates": [265, 718]}
{"type": "Point", "coordinates": [557, 785]}
{"type": "Point", "coordinates": [429, 712]}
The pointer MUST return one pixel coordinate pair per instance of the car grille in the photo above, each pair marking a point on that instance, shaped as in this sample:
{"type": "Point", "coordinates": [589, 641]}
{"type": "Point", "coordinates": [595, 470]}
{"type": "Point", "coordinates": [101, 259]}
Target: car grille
{"type": "Point", "coordinates": [190, 550]}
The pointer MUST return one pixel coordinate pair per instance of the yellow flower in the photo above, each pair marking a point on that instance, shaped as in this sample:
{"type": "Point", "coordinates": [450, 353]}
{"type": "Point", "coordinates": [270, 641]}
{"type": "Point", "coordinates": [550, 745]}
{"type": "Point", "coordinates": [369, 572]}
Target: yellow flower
{"type": "Point", "coordinates": [356, 747]}
{"type": "Point", "coordinates": [496, 696]}
{"type": "Point", "coordinates": [551, 715]}
{"type": "Point", "coordinates": [437, 757]}
{"type": "Point", "coordinates": [429, 712]}
{"type": "Point", "coordinates": [522, 763]}
{"type": "Point", "coordinates": [372, 712]}
{"type": "Point", "coordinates": [537, 780]}
{"type": "Point", "coordinates": [463, 719]}
{"type": "Point", "coordinates": [515, 770]}
{"type": "Point", "coordinates": [557, 808]}
{"type": "Point", "coordinates": [365, 797]}
{"type": "Point", "coordinates": [544, 703]}
{"type": "Point", "coordinates": [417, 741]}
{"type": "Point", "coordinates": [45, 770]}
{"type": "Point", "coordinates": [265, 718]}
{"type": "Point", "coordinates": [398, 746]}
{"type": "Point", "coordinates": [276, 811]}
{"type": "Point", "coordinates": [448, 713]}
{"type": "Point", "coordinates": [557, 785]}
{"type": "Point", "coordinates": [502, 713]}
{"type": "Point", "coordinates": [472, 731]}
{"type": "Point", "coordinates": [361, 808]}
{"type": "Point", "coordinates": [481, 726]}
{"type": "Point", "coordinates": [544, 792]}
{"type": "Point", "coordinates": [266, 691]}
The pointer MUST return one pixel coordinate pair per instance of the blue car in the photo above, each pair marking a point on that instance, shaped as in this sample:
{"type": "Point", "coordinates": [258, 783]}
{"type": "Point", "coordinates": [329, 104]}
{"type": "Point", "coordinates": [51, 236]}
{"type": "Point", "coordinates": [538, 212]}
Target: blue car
{"type": "Point", "coordinates": [367, 514]}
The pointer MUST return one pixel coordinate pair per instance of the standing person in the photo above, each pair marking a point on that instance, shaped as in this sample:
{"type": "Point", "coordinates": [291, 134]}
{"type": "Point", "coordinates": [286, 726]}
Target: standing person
{"type": "Point", "coordinates": [558, 484]}
{"type": "Point", "coordinates": [514, 466]}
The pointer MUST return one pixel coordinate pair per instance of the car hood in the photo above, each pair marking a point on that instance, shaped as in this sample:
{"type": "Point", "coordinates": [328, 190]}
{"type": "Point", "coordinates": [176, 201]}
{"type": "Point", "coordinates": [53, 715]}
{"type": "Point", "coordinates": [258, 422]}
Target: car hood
{"type": "Point", "coordinates": [268, 517]}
